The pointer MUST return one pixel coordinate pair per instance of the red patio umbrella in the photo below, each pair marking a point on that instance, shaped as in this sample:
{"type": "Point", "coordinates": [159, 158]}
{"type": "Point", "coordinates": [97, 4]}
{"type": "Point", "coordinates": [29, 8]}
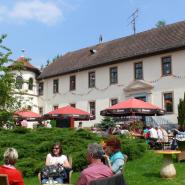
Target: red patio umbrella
{"type": "Point", "coordinates": [27, 114]}
{"type": "Point", "coordinates": [132, 107]}
{"type": "Point", "coordinates": [69, 111]}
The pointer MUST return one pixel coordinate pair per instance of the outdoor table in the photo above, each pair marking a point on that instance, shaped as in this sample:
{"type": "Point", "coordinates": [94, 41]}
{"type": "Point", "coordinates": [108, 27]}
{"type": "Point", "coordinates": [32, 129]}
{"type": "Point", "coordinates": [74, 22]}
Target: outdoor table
{"type": "Point", "coordinates": [136, 135]}
{"type": "Point", "coordinates": [168, 169]}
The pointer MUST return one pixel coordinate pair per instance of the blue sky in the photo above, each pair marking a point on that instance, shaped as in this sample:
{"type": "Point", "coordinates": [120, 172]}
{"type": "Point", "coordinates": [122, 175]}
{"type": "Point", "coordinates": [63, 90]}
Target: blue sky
{"type": "Point", "coordinates": [46, 28]}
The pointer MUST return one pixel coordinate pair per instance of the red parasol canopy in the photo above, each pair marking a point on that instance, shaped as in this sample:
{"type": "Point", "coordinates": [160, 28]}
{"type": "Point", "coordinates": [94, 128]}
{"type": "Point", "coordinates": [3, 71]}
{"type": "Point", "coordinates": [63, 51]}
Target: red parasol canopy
{"type": "Point", "coordinates": [132, 107]}
{"type": "Point", "coordinates": [27, 114]}
{"type": "Point", "coordinates": [69, 111]}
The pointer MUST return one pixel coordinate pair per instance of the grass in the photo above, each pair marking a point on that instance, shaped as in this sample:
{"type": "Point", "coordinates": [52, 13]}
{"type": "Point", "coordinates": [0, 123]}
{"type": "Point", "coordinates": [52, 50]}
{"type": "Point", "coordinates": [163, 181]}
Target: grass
{"type": "Point", "coordinates": [143, 171]}
{"type": "Point", "coordinates": [147, 171]}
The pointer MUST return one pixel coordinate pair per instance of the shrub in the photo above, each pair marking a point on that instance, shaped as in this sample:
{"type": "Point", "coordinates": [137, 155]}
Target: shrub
{"type": "Point", "coordinates": [79, 160]}
{"type": "Point", "coordinates": [134, 148]}
{"type": "Point", "coordinates": [33, 146]}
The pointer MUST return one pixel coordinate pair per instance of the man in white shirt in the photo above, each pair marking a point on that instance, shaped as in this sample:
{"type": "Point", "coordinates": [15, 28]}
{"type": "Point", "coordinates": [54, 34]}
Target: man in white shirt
{"type": "Point", "coordinates": [153, 133]}
{"type": "Point", "coordinates": [153, 137]}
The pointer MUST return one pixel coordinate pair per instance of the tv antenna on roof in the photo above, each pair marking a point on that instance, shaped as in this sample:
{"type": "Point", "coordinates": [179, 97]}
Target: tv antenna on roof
{"type": "Point", "coordinates": [100, 38]}
{"type": "Point", "coordinates": [133, 17]}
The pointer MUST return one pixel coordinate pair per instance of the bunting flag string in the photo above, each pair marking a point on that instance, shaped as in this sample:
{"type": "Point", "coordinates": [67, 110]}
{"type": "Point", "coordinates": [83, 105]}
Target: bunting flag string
{"type": "Point", "coordinates": [106, 88]}
{"type": "Point", "coordinates": [163, 77]}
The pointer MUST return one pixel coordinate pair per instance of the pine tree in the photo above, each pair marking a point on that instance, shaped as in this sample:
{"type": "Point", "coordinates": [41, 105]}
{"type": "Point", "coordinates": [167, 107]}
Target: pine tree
{"type": "Point", "coordinates": [106, 123]}
{"type": "Point", "coordinates": [181, 111]}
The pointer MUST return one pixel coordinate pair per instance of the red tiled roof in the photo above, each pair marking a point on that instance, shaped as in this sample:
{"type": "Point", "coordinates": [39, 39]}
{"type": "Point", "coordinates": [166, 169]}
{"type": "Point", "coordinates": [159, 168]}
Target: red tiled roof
{"type": "Point", "coordinates": [26, 64]}
{"type": "Point", "coordinates": [151, 42]}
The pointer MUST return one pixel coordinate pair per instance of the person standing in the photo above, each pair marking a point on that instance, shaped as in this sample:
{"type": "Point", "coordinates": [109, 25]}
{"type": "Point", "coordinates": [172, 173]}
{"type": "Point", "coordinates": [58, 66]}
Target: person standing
{"type": "Point", "coordinates": [14, 175]}
{"type": "Point", "coordinates": [96, 169]}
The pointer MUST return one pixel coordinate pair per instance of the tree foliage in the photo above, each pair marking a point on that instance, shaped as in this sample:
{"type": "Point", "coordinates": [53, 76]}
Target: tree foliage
{"type": "Point", "coordinates": [107, 122]}
{"type": "Point", "coordinates": [181, 111]}
{"type": "Point", "coordinates": [8, 103]}
{"type": "Point", "coordinates": [160, 23]}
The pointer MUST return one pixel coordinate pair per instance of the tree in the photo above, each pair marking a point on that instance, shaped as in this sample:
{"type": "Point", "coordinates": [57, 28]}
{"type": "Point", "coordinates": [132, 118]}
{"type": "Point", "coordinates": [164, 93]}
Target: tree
{"type": "Point", "coordinates": [181, 111]}
{"type": "Point", "coordinates": [47, 63]}
{"type": "Point", "coordinates": [107, 122]}
{"type": "Point", "coordinates": [8, 102]}
{"type": "Point", "coordinates": [160, 23]}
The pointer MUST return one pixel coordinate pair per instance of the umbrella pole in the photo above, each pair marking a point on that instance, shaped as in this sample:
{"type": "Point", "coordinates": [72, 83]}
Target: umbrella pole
{"type": "Point", "coordinates": [71, 122]}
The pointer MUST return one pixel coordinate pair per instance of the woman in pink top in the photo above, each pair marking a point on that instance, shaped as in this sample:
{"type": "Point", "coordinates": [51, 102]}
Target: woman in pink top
{"type": "Point", "coordinates": [14, 175]}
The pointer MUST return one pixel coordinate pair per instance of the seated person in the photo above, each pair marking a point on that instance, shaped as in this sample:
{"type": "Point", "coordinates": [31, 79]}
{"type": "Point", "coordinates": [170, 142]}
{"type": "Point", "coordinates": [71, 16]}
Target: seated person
{"type": "Point", "coordinates": [56, 158]}
{"type": "Point", "coordinates": [115, 158]}
{"type": "Point", "coordinates": [165, 135]}
{"type": "Point", "coordinates": [116, 130]}
{"type": "Point", "coordinates": [174, 141]}
{"type": "Point", "coordinates": [153, 137]}
{"type": "Point", "coordinates": [14, 175]}
{"type": "Point", "coordinates": [96, 169]}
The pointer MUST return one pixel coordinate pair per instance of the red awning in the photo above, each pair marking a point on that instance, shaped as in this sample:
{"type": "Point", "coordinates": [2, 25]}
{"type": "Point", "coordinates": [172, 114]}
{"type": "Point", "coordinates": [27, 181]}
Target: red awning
{"type": "Point", "coordinates": [27, 114]}
{"type": "Point", "coordinates": [69, 111]}
{"type": "Point", "coordinates": [132, 106]}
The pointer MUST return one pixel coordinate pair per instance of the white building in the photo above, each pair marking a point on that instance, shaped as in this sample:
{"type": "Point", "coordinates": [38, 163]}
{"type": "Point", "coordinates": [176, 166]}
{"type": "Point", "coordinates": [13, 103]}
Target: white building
{"type": "Point", "coordinates": [149, 65]}
{"type": "Point", "coordinates": [26, 85]}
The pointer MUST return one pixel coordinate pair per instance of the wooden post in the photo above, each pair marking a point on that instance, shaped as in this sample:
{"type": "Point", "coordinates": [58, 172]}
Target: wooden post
{"type": "Point", "coordinates": [71, 122]}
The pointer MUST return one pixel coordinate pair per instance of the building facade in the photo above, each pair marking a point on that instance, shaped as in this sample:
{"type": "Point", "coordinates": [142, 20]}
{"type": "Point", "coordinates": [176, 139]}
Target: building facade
{"type": "Point", "coordinates": [147, 66]}
{"type": "Point", "coordinates": [26, 88]}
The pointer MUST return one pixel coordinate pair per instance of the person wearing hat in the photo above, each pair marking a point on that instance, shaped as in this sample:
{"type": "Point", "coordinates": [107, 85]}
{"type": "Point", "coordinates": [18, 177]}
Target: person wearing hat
{"type": "Point", "coordinates": [116, 130]}
{"type": "Point", "coordinates": [114, 157]}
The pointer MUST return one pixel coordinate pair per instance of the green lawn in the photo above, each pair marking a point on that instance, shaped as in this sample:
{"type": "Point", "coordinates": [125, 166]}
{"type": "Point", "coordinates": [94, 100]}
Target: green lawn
{"type": "Point", "coordinates": [144, 171]}
{"type": "Point", "coordinates": [147, 171]}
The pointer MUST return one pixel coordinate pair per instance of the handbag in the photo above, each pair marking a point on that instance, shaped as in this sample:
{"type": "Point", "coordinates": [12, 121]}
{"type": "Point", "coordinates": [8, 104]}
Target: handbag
{"type": "Point", "coordinates": [53, 171]}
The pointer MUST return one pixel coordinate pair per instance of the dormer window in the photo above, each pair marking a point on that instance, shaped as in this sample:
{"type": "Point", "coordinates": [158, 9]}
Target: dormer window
{"type": "Point", "coordinates": [93, 51]}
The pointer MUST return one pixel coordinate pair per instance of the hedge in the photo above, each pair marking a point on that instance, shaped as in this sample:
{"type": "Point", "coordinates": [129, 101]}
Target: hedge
{"type": "Point", "coordinates": [33, 146]}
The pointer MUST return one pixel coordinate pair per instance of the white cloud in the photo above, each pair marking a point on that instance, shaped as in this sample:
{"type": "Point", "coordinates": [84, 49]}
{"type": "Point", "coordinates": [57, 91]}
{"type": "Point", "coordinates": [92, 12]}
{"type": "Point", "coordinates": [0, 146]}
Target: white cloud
{"type": "Point", "coordinates": [33, 10]}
